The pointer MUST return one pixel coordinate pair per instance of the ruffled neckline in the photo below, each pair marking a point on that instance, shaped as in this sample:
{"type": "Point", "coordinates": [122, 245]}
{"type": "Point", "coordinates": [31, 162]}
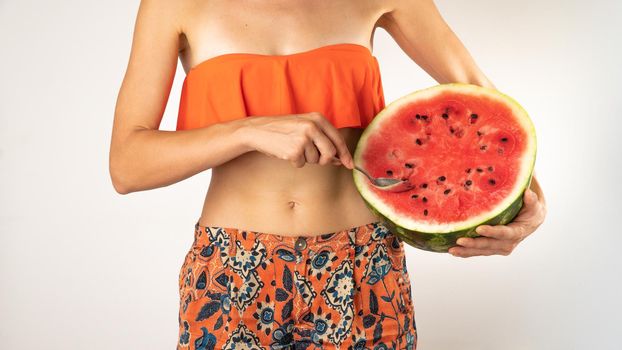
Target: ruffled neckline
{"type": "Point", "coordinates": [338, 46]}
{"type": "Point", "coordinates": [342, 81]}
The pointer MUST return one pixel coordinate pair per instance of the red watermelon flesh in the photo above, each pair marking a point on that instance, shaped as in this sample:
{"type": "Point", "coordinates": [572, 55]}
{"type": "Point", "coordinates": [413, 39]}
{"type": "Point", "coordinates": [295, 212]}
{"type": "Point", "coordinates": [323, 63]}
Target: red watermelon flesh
{"type": "Point", "coordinates": [468, 152]}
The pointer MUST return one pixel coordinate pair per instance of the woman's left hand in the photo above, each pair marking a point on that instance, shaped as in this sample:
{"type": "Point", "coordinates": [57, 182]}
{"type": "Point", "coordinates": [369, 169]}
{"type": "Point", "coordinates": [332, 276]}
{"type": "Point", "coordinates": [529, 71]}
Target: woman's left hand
{"type": "Point", "coordinates": [503, 239]}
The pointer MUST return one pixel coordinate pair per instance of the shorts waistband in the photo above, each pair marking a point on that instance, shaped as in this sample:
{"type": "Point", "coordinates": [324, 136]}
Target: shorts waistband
{"type": "Point", "coordinates": [358, 234]}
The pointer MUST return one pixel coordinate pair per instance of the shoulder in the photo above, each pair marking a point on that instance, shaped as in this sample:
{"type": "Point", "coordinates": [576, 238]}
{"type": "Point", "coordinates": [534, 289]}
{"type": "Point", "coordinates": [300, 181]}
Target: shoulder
{"type": "Point", "coordinates": [169, 13]}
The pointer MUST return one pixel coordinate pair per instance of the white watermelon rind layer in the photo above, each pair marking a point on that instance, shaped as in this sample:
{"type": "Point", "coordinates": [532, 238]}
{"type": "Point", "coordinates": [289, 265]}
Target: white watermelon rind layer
{"type": "Point", "coordinates": [437, 236]}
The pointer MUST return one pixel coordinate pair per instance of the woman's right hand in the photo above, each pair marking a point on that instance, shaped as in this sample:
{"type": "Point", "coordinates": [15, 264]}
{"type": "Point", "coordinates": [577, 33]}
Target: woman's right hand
{"type": "Point", "coordinates": [298, 138]}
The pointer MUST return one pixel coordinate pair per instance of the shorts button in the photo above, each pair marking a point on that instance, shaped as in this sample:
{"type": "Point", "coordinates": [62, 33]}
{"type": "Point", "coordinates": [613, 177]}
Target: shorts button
{"type": "Point", "coordinates": [301, 244]}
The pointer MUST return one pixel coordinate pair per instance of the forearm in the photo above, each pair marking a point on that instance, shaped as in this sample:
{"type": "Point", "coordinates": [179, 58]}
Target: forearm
{"type": "Point", "coordinates": [149, 159]}
{"type": "Point", "coordinates": [454, 63]}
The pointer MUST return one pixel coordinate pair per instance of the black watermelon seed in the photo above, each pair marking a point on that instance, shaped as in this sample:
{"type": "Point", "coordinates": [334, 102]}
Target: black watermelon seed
{"type": "Point", "coordinates": [482, 147]}
{"type": "Point", "coordinates": [442, 178]}
{"type": "Point", "coordinates": [424, 117]}
{"type": "Point", "coordinates": [408, 165]}
{"type": "Point", "coordinates": [468, 170]}
{"type": "Point", "coordinates": [418, 116]}
{"type": "Point", "coordinates": [474, 116]}
{"type": "Point", "coordinates": [504, 139]}
{"type": "Point", "coordinates": [469, 182]}
{"type": "Point", "coordinates": [489, 168]}
{"type": "Point", "coordinates": [414, 196]}
{"type": "Point", "coordinates": [425, 200]}
{"type": "Point", "coordinates": [451, 129]}
{"type": "Point", "coordinates": [424, 185]}
{"type": "Point", "coordinates": [418, 141]}
{"type": "Point", "coordinates": [447, 191]}
{"type": "Point", "coordinates": [389, 172]}
{"type": "Point", "coordinates": [479, 170]}
{"type": "Point", "coordinates": [445, 116]}
{"type": "Point", "coordinates": [492, 181]}
{"type": "Point", "coordinates": [479, 133]}
{"type": "Point", "coordinates": [425, 212]}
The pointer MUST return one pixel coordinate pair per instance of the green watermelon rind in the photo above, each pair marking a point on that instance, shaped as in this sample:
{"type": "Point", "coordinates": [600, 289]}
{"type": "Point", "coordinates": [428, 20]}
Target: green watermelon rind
{"type": "Point", "coordinates": [442, 241]}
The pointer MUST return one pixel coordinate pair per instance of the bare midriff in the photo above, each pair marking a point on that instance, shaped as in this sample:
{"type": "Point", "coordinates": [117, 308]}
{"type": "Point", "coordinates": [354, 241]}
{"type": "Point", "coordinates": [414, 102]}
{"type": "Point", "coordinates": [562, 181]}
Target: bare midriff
{"type": "Point", "coordinates": [255, 191]}
{"type": "Point", "coordinates": [261, 193]}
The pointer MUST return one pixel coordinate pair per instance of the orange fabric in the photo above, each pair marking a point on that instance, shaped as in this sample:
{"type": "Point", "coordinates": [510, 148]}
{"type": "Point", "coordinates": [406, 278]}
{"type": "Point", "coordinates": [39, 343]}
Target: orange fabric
{"type": "Point", "coordinates": [342, 81]}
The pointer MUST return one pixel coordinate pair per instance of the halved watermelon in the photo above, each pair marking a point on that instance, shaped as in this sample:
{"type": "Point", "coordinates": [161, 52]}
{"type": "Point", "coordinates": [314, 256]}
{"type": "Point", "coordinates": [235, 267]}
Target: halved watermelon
{"type": "Point", "coordinates": [467, 153]}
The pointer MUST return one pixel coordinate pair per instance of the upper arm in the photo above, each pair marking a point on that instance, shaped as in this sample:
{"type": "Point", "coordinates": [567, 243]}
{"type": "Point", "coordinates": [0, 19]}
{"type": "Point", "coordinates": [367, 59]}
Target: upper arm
{"type": "Point", "coordinates": [422, 33]}
{"type": "Point", "coordinates": [413, 23]}
{"type": "Point", "coordinates": [150, 72]}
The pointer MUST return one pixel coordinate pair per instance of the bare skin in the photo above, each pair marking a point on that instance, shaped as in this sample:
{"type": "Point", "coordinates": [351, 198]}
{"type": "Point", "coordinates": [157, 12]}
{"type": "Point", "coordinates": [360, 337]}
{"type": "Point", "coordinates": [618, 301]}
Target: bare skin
{"type": "Point", "coordinates": [261, 180]}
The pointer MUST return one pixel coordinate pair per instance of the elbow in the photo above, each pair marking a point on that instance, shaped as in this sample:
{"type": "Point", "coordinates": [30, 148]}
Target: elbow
{"type": "Point", "coordinates": [118, 169]}
{"type": "Point", "coordinates": [117, 182]}
{"type": "Point", "coordinates": [119, 188]}
{"type": "Point", "coordinates": [118, 177]}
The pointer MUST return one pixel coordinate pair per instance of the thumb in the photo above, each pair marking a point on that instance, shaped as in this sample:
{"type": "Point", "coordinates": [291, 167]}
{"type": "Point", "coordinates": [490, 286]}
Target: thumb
{"type": "Point", "coordinates": [345, 157]}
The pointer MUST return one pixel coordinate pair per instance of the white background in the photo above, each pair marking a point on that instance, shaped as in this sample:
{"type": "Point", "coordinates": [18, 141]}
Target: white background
{"type": "Point", "coordinates": [82, 267]}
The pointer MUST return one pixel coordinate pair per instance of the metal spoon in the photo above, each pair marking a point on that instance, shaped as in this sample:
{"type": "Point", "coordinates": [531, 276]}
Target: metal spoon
{"type": "Point", "coordinates": [386, 183]}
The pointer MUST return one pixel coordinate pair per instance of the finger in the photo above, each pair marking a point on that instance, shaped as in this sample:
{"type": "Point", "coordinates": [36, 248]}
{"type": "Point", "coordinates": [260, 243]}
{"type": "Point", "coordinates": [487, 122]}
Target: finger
{"type": "Point", "coordinates": [530, 199]}
{"type": "Point", "coordinates": [537, 204]}
{"type": "Point", "coordinates": [333, 134]}
{"type": "Point", "coordinates": [468, 252]}
{"type": "Point", "coordinates": [518, 227]}
{"type": "Point", "coordinates": [297, 160]}
{"type": "Point", "coordinates": [502, 232]}
{"type": "Point", "coordinates": [485, 243]}
{"type": "Point", "coordinates": [336, 161]}
{"type": "Point", "coordinates": [323, 144]}
{"type": "Point", "coordinates": [535, 184]}
{"type": "Point", "coordinates": [530, 210]}
{"type": "Point", "coordinates": [312, 155]}
{"type": "Point", "coordinates": [530, 204]}
{"type": "Point", "coordinates": [521, 229]}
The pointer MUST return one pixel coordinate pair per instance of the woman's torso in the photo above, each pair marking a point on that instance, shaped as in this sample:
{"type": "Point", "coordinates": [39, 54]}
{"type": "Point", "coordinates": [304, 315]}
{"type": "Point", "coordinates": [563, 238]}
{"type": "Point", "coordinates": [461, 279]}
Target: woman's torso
{"type": "Point", "coordinates": [255, 191]}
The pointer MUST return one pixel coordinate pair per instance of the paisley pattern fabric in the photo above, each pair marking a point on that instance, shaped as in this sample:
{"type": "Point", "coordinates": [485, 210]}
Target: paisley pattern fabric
{"type": "Point", "coordinates": [348, 289]}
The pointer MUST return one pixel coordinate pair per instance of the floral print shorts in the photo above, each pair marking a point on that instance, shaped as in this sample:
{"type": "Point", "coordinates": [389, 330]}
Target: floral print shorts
{"type": "Point", "coordinates": [348, 289]}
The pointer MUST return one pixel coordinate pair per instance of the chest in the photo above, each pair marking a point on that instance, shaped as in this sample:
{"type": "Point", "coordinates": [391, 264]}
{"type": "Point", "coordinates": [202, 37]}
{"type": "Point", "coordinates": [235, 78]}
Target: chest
{"type": "Point", "coordinates": [271, 27]}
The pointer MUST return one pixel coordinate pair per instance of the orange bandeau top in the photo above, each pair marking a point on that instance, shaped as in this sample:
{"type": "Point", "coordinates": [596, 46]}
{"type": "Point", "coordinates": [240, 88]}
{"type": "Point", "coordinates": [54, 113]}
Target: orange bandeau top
{"type": "Point", "coordinates": [342, 81]}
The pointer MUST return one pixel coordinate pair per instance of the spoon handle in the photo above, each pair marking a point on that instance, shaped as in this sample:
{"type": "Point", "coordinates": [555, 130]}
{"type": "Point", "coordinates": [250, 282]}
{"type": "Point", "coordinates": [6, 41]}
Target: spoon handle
{"type": "Point", "coordinates": [365, 173]}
